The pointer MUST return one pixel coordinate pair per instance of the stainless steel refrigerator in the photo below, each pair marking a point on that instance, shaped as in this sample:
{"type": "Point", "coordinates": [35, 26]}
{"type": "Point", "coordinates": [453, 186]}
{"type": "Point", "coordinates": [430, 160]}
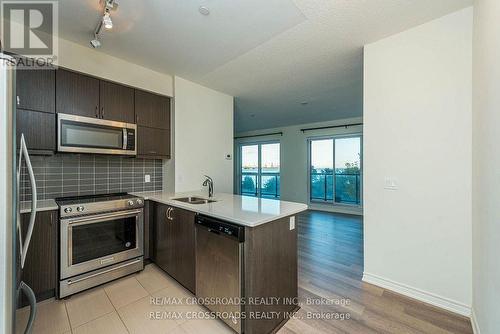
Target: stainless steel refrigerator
{"type": "Point", "coordinates": [13, 239]}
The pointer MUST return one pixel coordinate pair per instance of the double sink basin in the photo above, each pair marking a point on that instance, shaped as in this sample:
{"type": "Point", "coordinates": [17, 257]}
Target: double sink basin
{"type": "Point", "coordinates": [194, 200]}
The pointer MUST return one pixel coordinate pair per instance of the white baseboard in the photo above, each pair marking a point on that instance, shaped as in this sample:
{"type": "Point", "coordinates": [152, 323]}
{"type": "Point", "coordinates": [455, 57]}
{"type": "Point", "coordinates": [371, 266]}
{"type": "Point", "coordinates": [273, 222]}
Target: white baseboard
{"type": "Point", "coordinates": [475, 324]}
{"type": "Point", "coordinates": [336, 209]}
{"type": "Point", "coordinates": [424, 296]}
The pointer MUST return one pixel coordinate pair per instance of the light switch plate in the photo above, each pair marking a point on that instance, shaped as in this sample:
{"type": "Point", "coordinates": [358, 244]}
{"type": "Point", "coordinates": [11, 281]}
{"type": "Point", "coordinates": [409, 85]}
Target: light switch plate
{"type": "Point", "coordinates": [292, 223]}
{"type": "Point", "coordinates": [147, 178]}
{"type": "Point", "coordinates": [391, 183]}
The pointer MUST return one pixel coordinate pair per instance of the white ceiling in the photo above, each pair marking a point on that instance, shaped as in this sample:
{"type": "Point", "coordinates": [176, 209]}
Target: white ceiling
{"type": "Point", "coordinates": [270, 54]}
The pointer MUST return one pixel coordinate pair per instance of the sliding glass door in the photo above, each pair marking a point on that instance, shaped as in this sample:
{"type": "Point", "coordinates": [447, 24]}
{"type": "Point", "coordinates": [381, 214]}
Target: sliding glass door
{"type": "Point", "coordinates": [260, 170]}
{"type": "Point", "coordinates": [335, 170]}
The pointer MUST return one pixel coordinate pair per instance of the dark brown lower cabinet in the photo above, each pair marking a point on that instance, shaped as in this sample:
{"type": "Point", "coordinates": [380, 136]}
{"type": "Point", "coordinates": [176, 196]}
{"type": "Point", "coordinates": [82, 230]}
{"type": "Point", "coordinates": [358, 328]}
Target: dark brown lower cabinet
{"type": "Point", "coordinates": [39, 129]}
{"type": "Point", "coordinates": [270, 270]}
{"type": "Point", "coordinates": [174, 249]}
{"type": "Point", "coordinates": [153, 143]}
{"type": "Point", "coordinates": [40, 267]}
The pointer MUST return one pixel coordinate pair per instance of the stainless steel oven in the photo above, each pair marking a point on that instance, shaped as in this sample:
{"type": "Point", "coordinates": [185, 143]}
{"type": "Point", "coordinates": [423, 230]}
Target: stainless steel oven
{"type": "Point", "coordinates": [80, 134]}
{"type": "Point", "coordinates": [100, 240]}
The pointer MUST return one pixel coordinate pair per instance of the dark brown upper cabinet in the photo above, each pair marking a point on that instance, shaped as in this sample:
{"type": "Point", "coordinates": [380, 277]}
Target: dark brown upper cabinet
{"type": "Point", "coordinates": [35, 114]}
{"type": "Point", "coordinates": [39, 129]}
{"type": "Point", "coordinates": [35, 90]}
{"type": "Point", "coordinates": [77, 94]}
{"type": "Point", "coordinates": [152, 115]}
{"type": "Point", "coordinates": [152, 110]}
{"type": "Point", "coordinates": [116, 102]}
{"type": "Point", "coordinates": [153, 143]}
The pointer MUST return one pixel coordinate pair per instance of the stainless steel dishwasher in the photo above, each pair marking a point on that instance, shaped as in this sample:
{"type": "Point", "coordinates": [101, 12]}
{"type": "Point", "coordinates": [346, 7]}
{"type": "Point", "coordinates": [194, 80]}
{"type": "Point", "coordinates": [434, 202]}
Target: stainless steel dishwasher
{"type": "Point", "coordinates": [219, 268]}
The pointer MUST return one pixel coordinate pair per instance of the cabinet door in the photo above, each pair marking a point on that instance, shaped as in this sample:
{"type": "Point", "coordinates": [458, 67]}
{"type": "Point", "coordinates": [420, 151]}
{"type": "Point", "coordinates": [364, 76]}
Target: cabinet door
{"type": "Point", "coordinates": [116, 102]}
{"type": "Point", "coordinates": [163, 248]}
{"type": "Point", "coordinates": [77, 94]}
{"type": "Point", "coordinates": [39, 129]}
{"type": "Point", "coordinates": [40, 268]}
{"type": "Point", "coordinates": [35, 90]}
{"type": "Point", "coordinates": [183, 238]}
{"type": "Point", "coordinates": [152, 110]}
{"type": "Point", "coordinates": [153, 143]}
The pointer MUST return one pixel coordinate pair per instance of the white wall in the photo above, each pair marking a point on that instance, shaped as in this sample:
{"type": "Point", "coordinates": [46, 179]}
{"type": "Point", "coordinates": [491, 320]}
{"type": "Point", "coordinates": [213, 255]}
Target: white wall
{"type": "Point", "coordinates": [417, 129]}
{"type": "Point", "coordinates": [203, 137]}
{"type": "Point", "coordinates": [486, 157]}
{"type": "Point", "coordinates": [294, 157]}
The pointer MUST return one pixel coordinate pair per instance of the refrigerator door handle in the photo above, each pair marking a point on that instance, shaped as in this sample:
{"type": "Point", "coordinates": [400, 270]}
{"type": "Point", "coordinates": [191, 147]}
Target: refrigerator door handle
{"type": "Point", "coordinates": [24, 245]}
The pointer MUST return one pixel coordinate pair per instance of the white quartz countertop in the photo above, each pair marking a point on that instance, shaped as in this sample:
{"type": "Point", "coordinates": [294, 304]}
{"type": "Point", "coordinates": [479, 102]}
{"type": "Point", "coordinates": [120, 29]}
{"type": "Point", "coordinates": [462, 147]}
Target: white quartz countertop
{"type": "Point", "coordinates": [41, 205]}
{"type": "Point", "coordinates": [242, 210]}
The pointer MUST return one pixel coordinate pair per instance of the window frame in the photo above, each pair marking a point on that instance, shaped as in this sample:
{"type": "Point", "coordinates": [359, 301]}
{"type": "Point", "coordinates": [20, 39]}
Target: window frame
{"type": "Point", "coordinates": [311, 201]}
{"type": "Point", "coordinates": [259, 143]}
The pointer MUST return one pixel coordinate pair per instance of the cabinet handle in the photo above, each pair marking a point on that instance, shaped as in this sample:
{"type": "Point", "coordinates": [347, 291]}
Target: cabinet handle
{"type": "Point", "coordinates": [18, 100]}
{"type": "Point", "coordinates": [167, 214]}
{"type": "Point", "coordinates": [102, 112]}
{"type": "Point", "coordinates": [96, 111]}
{"type": "Point", "coordinates": [170, 214]}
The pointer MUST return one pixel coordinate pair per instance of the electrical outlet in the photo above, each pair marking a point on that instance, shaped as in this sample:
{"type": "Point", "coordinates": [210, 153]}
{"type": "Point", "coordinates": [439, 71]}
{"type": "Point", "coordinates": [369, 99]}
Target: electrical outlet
{"type": "Point", "coordinates": [292, 223]}
{"type": "Point", "coordinates": [147, 178]}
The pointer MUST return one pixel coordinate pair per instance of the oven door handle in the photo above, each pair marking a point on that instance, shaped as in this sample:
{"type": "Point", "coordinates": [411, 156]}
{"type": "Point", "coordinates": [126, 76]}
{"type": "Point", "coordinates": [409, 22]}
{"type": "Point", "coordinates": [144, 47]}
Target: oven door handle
{"type": "Point", "coordinates": [103, 217]}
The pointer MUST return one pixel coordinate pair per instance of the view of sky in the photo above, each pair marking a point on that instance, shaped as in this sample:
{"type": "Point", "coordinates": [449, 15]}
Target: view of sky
{"type": "Point", "coordinates": [270, 155]}
{"type": "Point", "coordinates": [347, 150]}
{"type": "Point", "coordinates": [250, 156]}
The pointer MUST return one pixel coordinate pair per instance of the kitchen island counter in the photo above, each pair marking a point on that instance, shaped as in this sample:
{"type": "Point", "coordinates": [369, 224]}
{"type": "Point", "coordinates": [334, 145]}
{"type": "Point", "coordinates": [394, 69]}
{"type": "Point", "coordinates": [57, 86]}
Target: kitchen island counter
{"type": "Point", "coordinates": [242, 210]}
{"type": "Point", "coordinates": [258, 261]}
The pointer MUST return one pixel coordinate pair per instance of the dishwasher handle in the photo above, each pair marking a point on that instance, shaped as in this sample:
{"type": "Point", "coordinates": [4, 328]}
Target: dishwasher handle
{"type": "Point", "coordinates": [221, 228]}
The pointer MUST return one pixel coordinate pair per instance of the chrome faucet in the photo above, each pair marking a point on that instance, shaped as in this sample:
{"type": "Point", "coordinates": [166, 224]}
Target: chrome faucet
{"type": "Point", "coordinates": [210, 183]}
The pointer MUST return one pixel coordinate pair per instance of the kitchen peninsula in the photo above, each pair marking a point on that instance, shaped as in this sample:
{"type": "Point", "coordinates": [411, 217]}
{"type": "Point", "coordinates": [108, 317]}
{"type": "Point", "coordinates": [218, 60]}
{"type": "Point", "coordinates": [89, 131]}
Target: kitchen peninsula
{"type": "Point", "coordinates": [232, 247]}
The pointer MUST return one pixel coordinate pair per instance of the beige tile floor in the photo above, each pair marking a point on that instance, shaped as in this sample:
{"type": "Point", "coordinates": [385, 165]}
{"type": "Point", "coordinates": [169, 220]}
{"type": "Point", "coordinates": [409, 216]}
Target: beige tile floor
{"type": "Point", "coordinates": [127, 305]}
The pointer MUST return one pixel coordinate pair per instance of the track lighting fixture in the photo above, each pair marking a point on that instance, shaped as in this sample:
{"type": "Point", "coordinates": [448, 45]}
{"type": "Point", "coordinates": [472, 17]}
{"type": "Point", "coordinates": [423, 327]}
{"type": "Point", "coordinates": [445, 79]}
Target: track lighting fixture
{"type": "Point", "coordinates": [105, 22]}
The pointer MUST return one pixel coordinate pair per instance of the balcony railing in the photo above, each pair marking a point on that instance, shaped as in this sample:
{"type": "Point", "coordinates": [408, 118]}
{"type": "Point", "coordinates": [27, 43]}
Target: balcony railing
{"type": "Point", "coordinates": [269, 188]}
{"type": "Point", "coordinates": [347, 188]}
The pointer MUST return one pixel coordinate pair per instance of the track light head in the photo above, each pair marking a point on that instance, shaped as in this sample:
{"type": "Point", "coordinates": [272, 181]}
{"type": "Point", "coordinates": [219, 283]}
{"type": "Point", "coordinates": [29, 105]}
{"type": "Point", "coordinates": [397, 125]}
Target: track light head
{"type": "Point", "coordinates": [106, 21]}
{"type": "Point", "coordinates": [95, 43]}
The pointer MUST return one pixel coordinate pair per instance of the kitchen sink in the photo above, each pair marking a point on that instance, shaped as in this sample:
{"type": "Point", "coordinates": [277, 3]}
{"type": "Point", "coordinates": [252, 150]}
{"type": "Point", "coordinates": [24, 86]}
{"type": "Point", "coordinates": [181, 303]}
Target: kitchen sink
{"type": "Point", "coordinates": [194, 200]}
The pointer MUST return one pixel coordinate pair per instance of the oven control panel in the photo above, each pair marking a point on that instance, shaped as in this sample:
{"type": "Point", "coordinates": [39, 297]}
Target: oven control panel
{"type": "Point", "coordinates": [79, 209]}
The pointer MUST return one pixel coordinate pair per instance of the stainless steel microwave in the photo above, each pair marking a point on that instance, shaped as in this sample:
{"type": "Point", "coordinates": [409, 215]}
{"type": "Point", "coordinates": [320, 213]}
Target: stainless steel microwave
{"type": "Point", "coordinates": [78, 134]}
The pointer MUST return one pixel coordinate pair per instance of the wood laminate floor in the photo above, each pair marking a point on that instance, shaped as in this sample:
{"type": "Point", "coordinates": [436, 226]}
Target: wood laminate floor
{"type": "Point", "coordinates": [330, 272]}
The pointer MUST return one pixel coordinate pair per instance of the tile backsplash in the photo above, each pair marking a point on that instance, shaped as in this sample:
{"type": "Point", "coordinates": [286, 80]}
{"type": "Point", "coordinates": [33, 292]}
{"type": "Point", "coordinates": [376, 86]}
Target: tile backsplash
{"type": "Point", "coordinates": [63, 175]}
